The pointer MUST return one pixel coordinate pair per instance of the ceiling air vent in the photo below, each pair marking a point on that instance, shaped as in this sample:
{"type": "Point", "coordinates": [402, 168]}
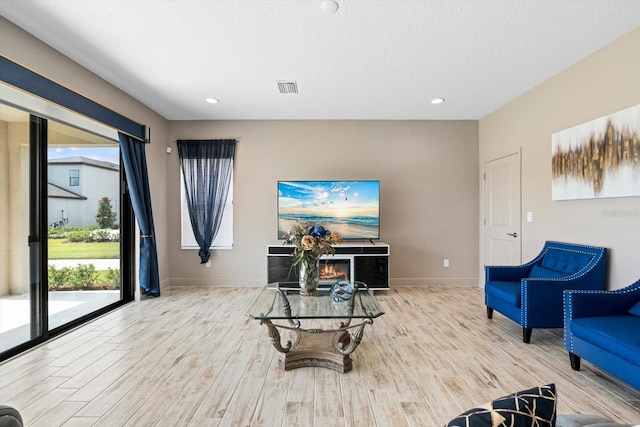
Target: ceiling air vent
{"type": "Point", "coordinates": [285, 86]}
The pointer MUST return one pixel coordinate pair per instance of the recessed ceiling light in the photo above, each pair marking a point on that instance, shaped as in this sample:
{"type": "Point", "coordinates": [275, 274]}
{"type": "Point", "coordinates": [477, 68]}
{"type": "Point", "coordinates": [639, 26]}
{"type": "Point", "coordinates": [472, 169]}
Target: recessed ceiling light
{"type": "Point", "coordinates": [329, 6]}
{"type": "Point", "coordinates": [437, 100]}
{"type": "Point", "coordinates": [211, 100]}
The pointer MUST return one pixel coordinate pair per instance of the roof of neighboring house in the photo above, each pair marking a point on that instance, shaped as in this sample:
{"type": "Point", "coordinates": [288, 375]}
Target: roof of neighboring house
{"type": "Point", "coordinates": [60, 193]}
{"type": "Point", "coordinates": [86, 161]}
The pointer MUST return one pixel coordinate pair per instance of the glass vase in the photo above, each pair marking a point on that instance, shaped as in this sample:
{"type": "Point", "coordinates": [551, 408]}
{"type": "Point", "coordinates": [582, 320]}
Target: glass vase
{"type": "Point", "coordinates": [309, 277]}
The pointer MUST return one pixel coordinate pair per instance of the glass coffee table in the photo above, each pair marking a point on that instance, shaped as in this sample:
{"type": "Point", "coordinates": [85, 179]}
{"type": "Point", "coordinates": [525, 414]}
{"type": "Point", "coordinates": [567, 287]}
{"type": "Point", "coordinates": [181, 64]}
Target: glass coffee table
{"type": "Point", "coordinates": [332, 330]}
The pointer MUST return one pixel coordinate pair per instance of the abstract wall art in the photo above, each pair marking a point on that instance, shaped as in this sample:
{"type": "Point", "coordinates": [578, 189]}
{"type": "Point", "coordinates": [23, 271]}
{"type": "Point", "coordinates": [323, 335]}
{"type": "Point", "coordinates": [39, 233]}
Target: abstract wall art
{"type": "Point", "coordinates": [597, 159]}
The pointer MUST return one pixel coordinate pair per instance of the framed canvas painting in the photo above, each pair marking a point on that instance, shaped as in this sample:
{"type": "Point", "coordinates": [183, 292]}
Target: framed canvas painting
{"type": "Point", "coordinates": [597, 159]}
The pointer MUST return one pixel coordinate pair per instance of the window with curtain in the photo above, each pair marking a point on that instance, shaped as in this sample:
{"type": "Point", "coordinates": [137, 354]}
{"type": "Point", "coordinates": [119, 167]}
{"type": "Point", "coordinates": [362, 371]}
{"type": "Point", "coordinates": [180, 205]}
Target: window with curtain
{"type": "Point", "coordinates": [224, 238]}
{"type": "Point", "coordinates": [206, 190]}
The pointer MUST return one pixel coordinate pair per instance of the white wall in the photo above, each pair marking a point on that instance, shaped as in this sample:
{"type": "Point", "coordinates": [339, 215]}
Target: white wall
{"type": "Point", "coordinates": [430, 203]}
{"type": "Point", "coordinates": [428, 174]}
{"type": "Point", "coordinates": [601, 84]}
{"type": "Point", "coordinates": [428, 170]}
{"type": "Point", "coordinates": [23, 48]}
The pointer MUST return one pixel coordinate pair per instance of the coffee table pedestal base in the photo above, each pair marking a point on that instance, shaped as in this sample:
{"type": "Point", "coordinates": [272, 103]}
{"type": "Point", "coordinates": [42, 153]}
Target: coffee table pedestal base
{"type": "Point", "coordinates": [316, 348]}
{"type": "Point", "coordinates": [320, 348]}
{"type": "Point", "coordinates": [293, 361]}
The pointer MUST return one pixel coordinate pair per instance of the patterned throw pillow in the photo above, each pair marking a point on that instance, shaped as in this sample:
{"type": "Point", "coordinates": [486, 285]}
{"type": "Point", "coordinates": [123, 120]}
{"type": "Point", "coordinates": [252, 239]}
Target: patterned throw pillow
{"type": "Point", "coordinates": [535, 407]}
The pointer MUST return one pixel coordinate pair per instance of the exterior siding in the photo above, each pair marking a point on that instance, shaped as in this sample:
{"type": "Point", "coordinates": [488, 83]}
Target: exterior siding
{"type": "Point", "coordinates": [95, 183]}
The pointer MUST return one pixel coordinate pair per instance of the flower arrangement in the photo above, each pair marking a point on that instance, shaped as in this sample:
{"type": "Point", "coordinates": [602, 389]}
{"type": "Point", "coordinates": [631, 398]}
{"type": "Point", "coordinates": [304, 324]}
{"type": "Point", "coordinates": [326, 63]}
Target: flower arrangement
{"type": "Point", "coordinates": [311, 242]}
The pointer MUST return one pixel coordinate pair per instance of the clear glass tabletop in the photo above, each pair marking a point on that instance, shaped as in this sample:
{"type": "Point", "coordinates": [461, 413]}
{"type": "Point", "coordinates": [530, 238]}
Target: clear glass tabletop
{"type": "Point", "coordinates": [275, 303]}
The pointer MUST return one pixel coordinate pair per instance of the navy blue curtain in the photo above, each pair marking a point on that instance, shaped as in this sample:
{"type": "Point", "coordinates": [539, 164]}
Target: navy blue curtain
{"type": "Point", "coordinates": [135, 168]}
{"type": "Point", "coordinates": [206, 170]}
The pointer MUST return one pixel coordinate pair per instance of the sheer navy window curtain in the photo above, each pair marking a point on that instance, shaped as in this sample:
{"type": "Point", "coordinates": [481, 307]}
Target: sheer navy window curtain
{"type": "Point", "coordinates": [207, 167]}
{"type": "Point", "coordinates": [135, 168]}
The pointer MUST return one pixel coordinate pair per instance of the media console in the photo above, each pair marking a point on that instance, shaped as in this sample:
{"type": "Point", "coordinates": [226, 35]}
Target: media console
{"type": "Point", "coordinates": [362, 261]}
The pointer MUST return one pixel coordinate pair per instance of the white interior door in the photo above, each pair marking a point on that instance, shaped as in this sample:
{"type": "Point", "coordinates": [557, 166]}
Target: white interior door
{"type": "Point", "coordinates": [502, 212]}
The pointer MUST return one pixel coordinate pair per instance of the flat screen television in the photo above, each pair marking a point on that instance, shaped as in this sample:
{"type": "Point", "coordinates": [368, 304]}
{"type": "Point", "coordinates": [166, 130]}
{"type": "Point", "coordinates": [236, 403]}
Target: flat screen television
{"type": "Point", "coordinates": [352, 208]}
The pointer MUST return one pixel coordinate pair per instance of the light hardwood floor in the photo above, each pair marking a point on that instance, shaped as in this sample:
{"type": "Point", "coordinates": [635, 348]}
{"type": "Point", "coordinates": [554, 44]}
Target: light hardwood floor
{"type": "Point", "coordinates": [192, 358]}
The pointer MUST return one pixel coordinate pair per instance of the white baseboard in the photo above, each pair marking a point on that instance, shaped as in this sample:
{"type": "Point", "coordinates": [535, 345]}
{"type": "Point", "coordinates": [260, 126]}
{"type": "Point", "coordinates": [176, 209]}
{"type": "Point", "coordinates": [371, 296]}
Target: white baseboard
{"type": "Point", "coordinates": [253, 282]}
{"type": "Point", "coordinates": [434, 281]}
{"type": "Point", "coordinates": [222, 283]}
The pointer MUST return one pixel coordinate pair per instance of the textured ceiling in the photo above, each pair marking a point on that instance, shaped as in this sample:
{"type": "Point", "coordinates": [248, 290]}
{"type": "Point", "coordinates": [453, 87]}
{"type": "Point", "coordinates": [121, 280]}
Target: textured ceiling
{"type": "Point", "coordinates": [369, 60]}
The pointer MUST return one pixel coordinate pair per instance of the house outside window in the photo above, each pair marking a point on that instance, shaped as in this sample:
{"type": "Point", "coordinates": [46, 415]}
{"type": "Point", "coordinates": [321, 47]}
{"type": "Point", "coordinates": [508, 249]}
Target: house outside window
{"type": "Point", "coordinates": [74, 177]}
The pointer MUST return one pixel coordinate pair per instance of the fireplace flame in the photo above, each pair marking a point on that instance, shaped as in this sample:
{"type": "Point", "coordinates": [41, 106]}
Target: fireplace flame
{"type": "Point", "coordinates": [328, 271]}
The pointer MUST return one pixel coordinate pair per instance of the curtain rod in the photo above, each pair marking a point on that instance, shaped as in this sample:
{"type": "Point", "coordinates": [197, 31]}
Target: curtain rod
{"type": "Point", "coordinates": [205, 139]}
{"type": "Point", "coordinates": [30, 81]}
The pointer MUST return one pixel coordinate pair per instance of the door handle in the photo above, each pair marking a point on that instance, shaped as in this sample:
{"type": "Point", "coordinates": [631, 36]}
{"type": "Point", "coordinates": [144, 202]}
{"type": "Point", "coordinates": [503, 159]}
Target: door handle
{"type": "Point", "coordinates": [512, 234]}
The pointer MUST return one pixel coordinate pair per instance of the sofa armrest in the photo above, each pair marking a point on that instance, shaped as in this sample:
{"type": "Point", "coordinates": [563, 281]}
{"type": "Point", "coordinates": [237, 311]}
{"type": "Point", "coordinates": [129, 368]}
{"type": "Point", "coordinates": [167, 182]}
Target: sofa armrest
{"type": "Point", "coordinates": [10, 417]}
{"type": "Point", "coordinates": [580, 420]}
{"type": "Point", "coordinates": [542, 300]}
{"type": "Point", "coordinates": [580, 303]}
{"type": "Point", "coordinates": [506, 273]}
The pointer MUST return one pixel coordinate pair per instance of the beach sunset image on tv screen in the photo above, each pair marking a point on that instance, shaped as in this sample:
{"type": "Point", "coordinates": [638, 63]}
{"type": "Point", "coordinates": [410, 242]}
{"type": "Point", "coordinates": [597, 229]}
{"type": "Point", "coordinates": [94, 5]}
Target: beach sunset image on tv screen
{"type": "Point", "coordinates": [352, 208]}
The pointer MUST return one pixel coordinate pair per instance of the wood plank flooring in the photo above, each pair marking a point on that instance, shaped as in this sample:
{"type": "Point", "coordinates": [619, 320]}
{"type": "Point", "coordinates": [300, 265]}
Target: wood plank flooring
{"type": "Point", "coordinates": [192, 358]}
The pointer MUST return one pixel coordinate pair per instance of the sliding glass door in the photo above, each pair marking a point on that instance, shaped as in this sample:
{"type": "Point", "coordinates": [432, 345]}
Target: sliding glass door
{"type": "Point", "coordinates": [66, 237]}
{"type": "Point", "coordinates": [20, 294]}
{"type": "Point", "coordinates": [83, 223]}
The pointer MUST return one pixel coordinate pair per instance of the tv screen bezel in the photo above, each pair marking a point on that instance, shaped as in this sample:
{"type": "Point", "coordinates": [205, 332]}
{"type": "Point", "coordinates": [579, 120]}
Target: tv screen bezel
{"type": "Point", "coordinates": [330, 182]}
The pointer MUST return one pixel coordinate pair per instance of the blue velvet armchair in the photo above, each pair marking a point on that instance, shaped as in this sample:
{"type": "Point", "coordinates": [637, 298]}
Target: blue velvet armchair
{"type": "Point", "coordinates": [603, 327]}
{"type": "Point", "coordinates": [532, 294]}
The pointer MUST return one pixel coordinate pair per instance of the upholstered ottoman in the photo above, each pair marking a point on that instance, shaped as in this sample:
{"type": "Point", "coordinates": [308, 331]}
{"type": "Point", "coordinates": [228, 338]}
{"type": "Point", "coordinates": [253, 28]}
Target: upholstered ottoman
{"type": "Point", "coordinates": [580, 420]}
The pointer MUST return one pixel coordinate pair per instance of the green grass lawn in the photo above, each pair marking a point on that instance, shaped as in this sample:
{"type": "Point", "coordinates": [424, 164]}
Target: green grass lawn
{"type": "Point", "coordinates": [59, 249]}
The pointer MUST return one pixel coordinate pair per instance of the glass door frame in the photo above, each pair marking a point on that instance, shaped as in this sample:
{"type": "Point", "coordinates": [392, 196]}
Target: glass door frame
{"type": "Point", "coordinates": [38, 246]}
{"type": "Point", "coordinates": [38, 135]}
{"type": "Point", "coordinates": [25, 81]}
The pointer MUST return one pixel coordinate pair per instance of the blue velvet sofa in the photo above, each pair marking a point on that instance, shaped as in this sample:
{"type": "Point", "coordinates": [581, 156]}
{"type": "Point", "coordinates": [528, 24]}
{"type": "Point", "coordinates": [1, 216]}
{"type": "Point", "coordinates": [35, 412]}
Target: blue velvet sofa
{"type": "Point", "coordinates": [603, 327]}
{"type": "Point", "coordinates": [531, 294]}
